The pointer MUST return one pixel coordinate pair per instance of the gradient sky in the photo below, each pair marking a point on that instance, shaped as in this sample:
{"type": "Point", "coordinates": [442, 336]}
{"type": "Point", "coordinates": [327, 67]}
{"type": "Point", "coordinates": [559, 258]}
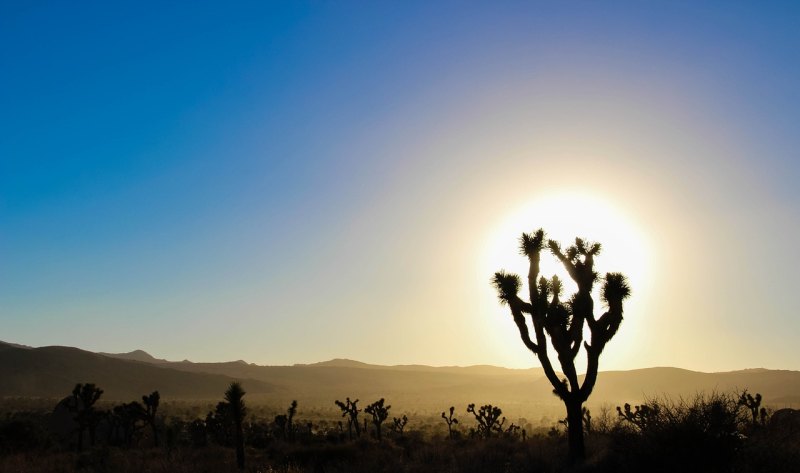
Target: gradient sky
{"type": "Point", "coordinates": [297, 181]}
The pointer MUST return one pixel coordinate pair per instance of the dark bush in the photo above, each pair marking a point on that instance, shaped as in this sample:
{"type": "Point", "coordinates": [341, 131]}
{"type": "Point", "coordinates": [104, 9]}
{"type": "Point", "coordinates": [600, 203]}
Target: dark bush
{"type": "Point", "coordinates": [702, 434]}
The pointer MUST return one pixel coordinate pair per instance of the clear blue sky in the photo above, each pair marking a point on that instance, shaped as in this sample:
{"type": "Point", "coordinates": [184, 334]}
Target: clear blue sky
{"type": "Point", "coordinates": [295, 181]}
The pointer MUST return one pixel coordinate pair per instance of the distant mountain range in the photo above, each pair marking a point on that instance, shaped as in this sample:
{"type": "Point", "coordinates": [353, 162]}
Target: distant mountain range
{"type": "Point", "coordinates": [51, 372]}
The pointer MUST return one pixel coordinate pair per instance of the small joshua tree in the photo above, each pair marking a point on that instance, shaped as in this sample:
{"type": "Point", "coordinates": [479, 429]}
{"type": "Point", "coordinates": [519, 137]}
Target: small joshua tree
{"type": "Point", "coordinates": [350, 410]}
{"type": "Point", "coordinates": [234, 397]}
{"type": "Point", "coordinates": [379, 413]}
{"type": "Point", "coordinates": [399, 424]}
{"type": "Point", "coordinates": [488, 418]}
{"type": "Point", "coordinates": [149, 413]}
{"type": "Point", "coordinates": [450, 422]}
{"type": "Point", "coordinates": [563, 322]}
{"type": "Point", "coordinates": [290, 420]}
{"type": "Point", "coordinates": [642, 416]}
{"type": "Point", "coordinates": [752, 403]}
{"type": "Point", "coordinates": [587, 421]}
{"type": "Point", "coordinates": [513, 431]}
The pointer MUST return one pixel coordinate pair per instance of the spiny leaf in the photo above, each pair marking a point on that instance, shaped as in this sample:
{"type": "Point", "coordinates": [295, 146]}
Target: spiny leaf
{"type": "Point", "coordinates": [615, 288]}
{"type": "Point", "coordinates": [507, 285]}
{"type": "Point", "coordinates": [531, 244]}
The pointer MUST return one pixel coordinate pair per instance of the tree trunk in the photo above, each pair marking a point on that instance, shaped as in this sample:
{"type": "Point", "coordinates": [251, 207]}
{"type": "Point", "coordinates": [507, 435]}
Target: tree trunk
{"type": "Point", "coordinates": [239, 446]}
{"type": "Point", "coordinates": [577, 450]}
{"type": "Point", "coordinates": [80, 439]}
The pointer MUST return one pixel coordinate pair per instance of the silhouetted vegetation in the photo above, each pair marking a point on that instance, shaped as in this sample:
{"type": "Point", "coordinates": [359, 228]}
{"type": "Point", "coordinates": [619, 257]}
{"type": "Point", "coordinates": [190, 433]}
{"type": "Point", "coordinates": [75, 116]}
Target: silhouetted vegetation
{"type": "Point", "coordinates": [488, 419]}
{"type": "Point", "coordinates": [149, 413]}
{"type": "Point", "coordinates": [125, 424]}
{"type": "Point", "coordinates": [705, 433]}
{"type": "Point", "coordinates": [451, 421]}
{"type": "Point", "coordinates": [711, 433]}
{"type": "Point", "coordinates": [81, 404]}
{"type": "Point", "coordinates": [234, 397]}
{"type": "Point", "coordinates": [753, 403]}
{"type": "Point", "coordinates": [563, 322]}
{"type": "Point", "coordinates": [399, 424]}
{"type": "Point", "coordinates": [285, 422]}
{"type": "Point", "coordinates": [379, 413]}
{"type": "Point", "coordinates": [350, 410]}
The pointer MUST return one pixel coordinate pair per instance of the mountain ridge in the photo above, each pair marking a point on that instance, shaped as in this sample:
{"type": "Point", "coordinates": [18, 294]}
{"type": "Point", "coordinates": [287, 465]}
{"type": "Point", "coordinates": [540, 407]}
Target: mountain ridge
{"type": "Point", "coordinates": [53, 371]}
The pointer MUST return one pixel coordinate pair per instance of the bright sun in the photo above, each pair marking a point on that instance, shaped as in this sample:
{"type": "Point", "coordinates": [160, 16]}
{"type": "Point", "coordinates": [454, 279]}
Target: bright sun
{"type": "Point", "coordinates": [563, 217]}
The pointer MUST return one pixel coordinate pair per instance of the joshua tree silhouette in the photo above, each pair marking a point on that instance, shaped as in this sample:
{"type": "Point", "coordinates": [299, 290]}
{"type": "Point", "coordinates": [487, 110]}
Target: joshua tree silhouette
{"type": "Point", "coordinates": [350, 410]}
{"type": "Point", "coordinates": [81, 403]}
{"type": "Point", "coordinates": [285, 422]}
{"type": "Point", "coordinates": [123, 420]}
{"type": "Point", "coordinates": [290, 420]}
{"type": "Point", "coordinates": [234, 397]}
{"type": "Point", "coordinates": [450, 422]}
{"type": "Point", "coordinates": [399, 424]}
{"type": "Point", "coordinates": [642, 417]}
{"type": "Point", "coordinates": [752, 403]}
{"type": "Point", "coordinates": [564, 322]}
{"type": "Point", "coordinates": [379, 414]}
{"type": "Point", "coordinates": [149, 413]}
{"type": "Point", "coordinates": [488, 418]}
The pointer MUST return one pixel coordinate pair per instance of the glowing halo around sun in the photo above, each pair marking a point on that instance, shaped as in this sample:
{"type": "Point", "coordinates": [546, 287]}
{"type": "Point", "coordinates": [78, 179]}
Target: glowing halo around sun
{"type": "Point", "coordinates": [564, 216]}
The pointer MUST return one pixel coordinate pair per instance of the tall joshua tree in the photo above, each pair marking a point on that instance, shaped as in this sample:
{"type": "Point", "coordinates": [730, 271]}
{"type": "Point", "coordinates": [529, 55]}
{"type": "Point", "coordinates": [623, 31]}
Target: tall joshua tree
{"type": "Point", "coordinates": [81, 403]}
{"type": "Point", "coordinates": [563, 321]}
{"type": "Point", "coordinates": [234, 397]}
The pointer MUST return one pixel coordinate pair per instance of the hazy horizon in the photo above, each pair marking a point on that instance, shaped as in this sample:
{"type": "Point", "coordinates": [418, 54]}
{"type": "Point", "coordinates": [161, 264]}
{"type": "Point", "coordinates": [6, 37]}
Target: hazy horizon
{"type": "Point", "coordinates": [156, 356]}
{"type": "Point", "coordinates": [290, 182]}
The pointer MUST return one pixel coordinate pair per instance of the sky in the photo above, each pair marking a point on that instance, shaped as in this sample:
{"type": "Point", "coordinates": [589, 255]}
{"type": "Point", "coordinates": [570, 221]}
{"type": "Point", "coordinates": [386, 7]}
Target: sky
{"type": "Point", "coordinates": [290, 182]}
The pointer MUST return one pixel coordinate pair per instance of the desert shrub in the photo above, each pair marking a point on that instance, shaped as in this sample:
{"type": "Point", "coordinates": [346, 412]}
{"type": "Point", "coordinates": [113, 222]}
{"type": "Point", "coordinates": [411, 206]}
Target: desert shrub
{"type": "Point", "coordinates": [770, 448]}
{"type": "Point", "coordinates": [701, 434]}
{"type": "Point", "coordinates": [23, 432]}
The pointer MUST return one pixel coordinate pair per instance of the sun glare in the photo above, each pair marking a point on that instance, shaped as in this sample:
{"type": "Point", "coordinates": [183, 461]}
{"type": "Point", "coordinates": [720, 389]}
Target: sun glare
{"type": "Point", "coordinates": [565, 216]}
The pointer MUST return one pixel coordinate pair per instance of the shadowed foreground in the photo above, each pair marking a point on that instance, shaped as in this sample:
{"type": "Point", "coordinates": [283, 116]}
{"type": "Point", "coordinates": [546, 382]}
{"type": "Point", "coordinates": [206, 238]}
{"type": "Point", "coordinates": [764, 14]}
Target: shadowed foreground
{"type": "Point", "coordinates": [715, 433]}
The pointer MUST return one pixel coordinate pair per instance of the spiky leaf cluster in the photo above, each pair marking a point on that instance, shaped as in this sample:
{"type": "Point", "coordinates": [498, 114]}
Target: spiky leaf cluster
{"type": "Point", "coordinates": [615, 288]}
{"type": "Point", "coordinates": [507, 286]}
{"type": "Point", "coordinates": [530, 244]}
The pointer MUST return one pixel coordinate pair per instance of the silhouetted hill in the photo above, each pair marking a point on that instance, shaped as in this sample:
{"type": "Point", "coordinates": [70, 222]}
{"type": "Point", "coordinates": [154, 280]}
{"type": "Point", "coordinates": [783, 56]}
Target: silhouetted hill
{"type": "Point", "coordinates": [135, 355]}
{"type": "Point", "coordinates": [339, 363]}
{"type": "Point", "coordinates": [474, 369]}
{"type": "Point", "coordinates": [16, 345]}
{"type": "Point", "coordinates": [52, 372]}
{"type": "Point", "coordinates": [421, 386]}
